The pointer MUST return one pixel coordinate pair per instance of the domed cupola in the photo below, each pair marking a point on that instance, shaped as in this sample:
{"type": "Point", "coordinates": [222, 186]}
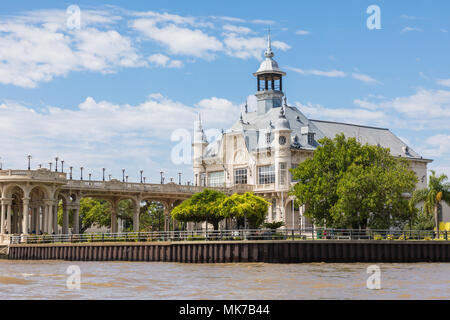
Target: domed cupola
{"type": "Point", "coordinates": [269, 82]}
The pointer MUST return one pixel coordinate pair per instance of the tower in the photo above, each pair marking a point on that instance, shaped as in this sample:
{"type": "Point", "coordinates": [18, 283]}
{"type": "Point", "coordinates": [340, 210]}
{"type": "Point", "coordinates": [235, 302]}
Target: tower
{"type": "Point", "coordinates": [199, 146]}
{"type": "Point", "coordinates": [282, 143]}
{"type": "Point", "coordinates": [269, 82]}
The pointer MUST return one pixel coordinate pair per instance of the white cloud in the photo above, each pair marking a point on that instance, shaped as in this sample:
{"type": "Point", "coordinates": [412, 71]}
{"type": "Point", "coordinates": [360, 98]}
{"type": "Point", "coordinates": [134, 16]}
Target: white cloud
{"type": "Point", "coordinates": [364, 78]}
{"type": "Point", "coordinates": [409, 29]}
{"type": "Point", "coordinates": [38, 47]}
{"type": "Point", "coordinates": [249, 47]}
{"type": "Point", "coordinates": [161, 60]}
{"type": "Point", "coordinates": [179, 40]}
{"type": "Point", "coordinates": [94, 132]}
{"type": "Point", "coordinates": [335, 74]}
{"type": "Point", "coordinates": [347, 115]}
{"type": "Point", "coordinates": [237, 29]}
{"type": "Point", "coordinates": [330, 74]}
{"type": "Point", "coordinates": [302, 32]}
{"type": "Point", "coordinates": [444, 82]}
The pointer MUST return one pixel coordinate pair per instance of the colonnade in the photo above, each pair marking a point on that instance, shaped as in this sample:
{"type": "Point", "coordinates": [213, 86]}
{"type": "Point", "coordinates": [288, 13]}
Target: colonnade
{"type": "Point", "coordinates": [28, 217]}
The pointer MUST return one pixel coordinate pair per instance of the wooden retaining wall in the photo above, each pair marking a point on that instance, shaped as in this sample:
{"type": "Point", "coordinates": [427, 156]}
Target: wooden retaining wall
{"type": "Point", "coordinates": [240, 251]}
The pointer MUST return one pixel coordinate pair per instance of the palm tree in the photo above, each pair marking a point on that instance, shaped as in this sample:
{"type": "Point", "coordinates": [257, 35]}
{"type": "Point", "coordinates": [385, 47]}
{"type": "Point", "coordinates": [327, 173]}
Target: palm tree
{"type": "Point", "coordinates": [438, 191]}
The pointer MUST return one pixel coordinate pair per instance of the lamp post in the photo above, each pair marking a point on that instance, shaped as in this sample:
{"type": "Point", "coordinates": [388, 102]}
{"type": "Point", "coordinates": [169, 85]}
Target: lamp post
{"type": "Point", "coordinates": [126, 178]}
{"type": "Point", "coordinates": [71, 168]}
{"type": "Point", "coordinates": [1, 165]}
{"type": "Point", "coordinates": [40, 166]}
{"type": "Point", "coordinates": [90, 175]}
{"type": "Point", "coordinates": [29, 162]}
{"type": "Point", "coordinates": [123, 175]}
{"type": "Point", "coordinates": [50, 165]}
{"type": "Point", "coordinates": [109, 176]}
{"type": "Point", "coordinates": [162, 178]}
{"type": "Point", "coordinates": [56, 166]}
{"type": "Point", "coordinates": [144, 179]}
{"type": "Point", "coordinates": [103, 169]}
{"type": "Point", "coordinates": [142, 171]}
{"type": "Point", "coordinates": [179, 178]}
{"type": "Point", "coordinates": [62, 165]}
{"type": "Point", "coordinates": [81, 170]}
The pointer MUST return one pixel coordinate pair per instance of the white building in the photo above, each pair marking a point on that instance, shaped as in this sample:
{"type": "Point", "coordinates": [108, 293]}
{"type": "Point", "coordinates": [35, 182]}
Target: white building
{"type": "Point", "coordinates": [261, 147]}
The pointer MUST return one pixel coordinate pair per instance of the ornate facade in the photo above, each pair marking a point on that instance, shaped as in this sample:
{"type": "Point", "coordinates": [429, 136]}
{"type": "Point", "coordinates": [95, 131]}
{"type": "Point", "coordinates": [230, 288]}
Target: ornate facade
{"type": "Point", "coordinates": [261, 147]}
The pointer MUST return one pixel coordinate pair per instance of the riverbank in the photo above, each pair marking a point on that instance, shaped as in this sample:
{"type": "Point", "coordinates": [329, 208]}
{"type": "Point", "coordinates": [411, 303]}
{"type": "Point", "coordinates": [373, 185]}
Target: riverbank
{"type": "Point", "coordinates": [270, 251]}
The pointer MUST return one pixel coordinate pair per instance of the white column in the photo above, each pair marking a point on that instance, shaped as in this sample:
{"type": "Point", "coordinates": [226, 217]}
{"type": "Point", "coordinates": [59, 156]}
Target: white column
{"type": "Point", "coordinates": [65, 227]}
{"type": "Point", "coordinates": [8, 218]}
{"type": "Point", "coordinates": [114, 218]}
{"type": "Point", "coordinates": [50, 218]}
{"type": "Point", "coordinates": [136, 218]}
{"type": "Point", "coordinates": [32, 220]}
{"type": "Point", "coordinates": [45, 219]}
{"type": "Point", "coordinates": [76, 221]}
{"type": "Point", "coordinates": [25, 216]}
{"type": "Point", "coordinates": [3, 213]}
{"type": "Point", "coordinates": [55, 218]}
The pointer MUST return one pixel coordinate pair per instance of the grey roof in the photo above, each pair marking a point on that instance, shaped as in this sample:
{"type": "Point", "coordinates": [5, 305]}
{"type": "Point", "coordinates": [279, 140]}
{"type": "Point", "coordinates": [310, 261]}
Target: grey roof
{"type": "Point", "coordinates": [366, 134]}
{"type": "Point", "coordinates": [255, 128]}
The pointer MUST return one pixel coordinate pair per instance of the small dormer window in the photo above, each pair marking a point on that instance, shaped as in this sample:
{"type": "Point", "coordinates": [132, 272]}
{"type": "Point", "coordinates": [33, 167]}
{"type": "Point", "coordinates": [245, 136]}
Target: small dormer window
{"type": "Point", "coordinates": [311, 138]}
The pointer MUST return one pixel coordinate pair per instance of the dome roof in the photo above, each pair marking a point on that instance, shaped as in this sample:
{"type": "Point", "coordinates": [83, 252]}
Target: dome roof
{"type": "Point", "coordinates": [269, 65]}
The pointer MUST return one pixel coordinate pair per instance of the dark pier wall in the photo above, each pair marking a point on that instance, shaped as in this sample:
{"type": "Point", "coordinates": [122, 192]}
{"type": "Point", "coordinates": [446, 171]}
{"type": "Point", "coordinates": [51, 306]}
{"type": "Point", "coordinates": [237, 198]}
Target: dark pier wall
{"type": "Point", "coordinates": [240, 251]}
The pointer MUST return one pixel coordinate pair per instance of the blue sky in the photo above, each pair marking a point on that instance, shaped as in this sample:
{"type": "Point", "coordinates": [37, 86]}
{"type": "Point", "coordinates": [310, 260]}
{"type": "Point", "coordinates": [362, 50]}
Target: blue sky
{"type": "Point", "coordinates": [112, 92]}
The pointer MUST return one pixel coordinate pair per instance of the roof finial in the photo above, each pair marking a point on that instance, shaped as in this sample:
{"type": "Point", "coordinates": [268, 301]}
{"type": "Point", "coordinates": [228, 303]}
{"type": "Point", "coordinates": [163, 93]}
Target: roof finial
{"type": "Point", "coordinates": [269, 53]}
{"type": "Point", "coordinates": [246, 107]}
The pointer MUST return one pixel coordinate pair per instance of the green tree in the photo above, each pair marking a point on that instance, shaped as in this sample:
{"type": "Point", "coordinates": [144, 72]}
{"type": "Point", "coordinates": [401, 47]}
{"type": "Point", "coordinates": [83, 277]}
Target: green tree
{"type": "Point", "coordinates": [245, 206]}
{"type": "Point", "coordinates": [347, 184]}
{"type": "Point", "coordinates": [438, 191]}
{"type": "Point", "coordinates": [92, 212]}
{"type": "Point", "coordinates": [201, 207]}
{"type": "Point", "coordinates": [152, 216]}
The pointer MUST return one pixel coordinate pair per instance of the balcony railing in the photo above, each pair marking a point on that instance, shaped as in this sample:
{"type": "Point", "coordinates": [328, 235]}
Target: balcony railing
{"type": "Point", "coordinates": [234, 235]}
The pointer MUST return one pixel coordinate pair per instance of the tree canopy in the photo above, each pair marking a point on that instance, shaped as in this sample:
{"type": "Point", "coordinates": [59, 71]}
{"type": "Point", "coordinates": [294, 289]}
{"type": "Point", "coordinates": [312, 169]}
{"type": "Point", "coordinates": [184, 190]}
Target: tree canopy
{"type": "Point", "coordinates": [437, 192]}
{"type": "Point", "coordinates": [214, 206]}
{"type": "Point", "coordinates": [245, 206]}
{"type": "Point", "coordinates": [349, 185]}
{"type": "Point", "coordinates": [201, 207]}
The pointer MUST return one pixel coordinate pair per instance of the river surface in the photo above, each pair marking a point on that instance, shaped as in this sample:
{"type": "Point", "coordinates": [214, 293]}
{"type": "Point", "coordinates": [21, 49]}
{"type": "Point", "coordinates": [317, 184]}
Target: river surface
{"type": "Point", "coordinates": [162, 280]}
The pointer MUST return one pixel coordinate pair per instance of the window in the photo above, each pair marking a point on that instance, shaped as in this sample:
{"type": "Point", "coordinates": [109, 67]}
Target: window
{"type": "Point", "coordinates": [282, 173]}
{"type": "Point", "coordinates": [311, 139]}
{"type": "Point", "coordinates": [240, 176]}
{"type": "Point", "coordinates": [216, 179]}
{"type": "Point", "coordinates": [268, 139]}
{"type": "Point", "coordinates": [266, 175]}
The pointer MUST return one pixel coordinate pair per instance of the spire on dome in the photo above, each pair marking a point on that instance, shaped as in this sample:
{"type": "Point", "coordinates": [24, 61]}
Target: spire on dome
{"type": "Point", "coordinates": [269, 53]}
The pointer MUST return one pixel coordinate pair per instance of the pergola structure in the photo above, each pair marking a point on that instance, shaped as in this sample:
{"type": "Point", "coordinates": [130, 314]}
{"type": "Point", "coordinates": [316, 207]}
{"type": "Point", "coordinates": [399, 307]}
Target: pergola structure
{"type": "Point", "coordinates": [30, 199]}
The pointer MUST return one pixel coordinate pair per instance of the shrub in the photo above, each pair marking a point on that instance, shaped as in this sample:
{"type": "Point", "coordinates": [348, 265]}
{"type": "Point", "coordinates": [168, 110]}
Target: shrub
{"type": "Point", "coordinates": [377, 236]}
{"type": "Point", "coordinates": [390, 237]}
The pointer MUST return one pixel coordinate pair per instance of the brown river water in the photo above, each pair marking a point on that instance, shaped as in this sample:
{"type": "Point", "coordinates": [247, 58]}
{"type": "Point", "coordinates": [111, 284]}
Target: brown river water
{"type": "Point", "coordinates": [159, 280]}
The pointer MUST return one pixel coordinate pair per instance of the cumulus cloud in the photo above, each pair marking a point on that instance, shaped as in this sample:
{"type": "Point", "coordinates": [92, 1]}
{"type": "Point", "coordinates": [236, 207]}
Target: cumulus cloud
{"type": "Point", "coordinates": [38, 47]}
{"type": "Point", "coordinates": [161, 60]}
{"type": "Point", "coordinates": [93, 133]}
{"type": "Point", "coordinates": [444, 82]}
{"type": "Point", "coordinates": [178, 39]}
{"type": "Point", "coordinates": [249, 47]}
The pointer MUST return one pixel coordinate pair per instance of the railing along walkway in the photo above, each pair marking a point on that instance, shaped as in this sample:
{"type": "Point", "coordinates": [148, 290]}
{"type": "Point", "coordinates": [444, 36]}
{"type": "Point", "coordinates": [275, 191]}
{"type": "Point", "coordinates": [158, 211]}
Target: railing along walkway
{"type": "Point", "coordinates": [240, 234]}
